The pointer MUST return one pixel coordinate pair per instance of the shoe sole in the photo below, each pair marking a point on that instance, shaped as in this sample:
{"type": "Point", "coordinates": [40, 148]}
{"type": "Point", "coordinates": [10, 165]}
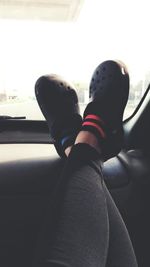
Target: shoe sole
{"type": "Point", "coordinates": [110, 85]}
{"type": "Point", "coordinates": [58, 101]}
{"type": "Point", "coordinates": [52, 93]}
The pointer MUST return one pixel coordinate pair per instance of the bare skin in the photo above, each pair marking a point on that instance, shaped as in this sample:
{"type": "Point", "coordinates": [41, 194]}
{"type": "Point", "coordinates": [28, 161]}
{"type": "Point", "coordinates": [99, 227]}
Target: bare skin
{"type": "Point", "coordinates": [86, 138]}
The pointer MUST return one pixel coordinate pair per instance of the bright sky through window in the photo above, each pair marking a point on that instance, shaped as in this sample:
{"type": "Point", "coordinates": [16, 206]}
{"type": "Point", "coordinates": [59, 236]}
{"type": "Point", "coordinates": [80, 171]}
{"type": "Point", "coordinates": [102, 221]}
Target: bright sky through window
{"type": "Point", "coordinates": [105, 30]}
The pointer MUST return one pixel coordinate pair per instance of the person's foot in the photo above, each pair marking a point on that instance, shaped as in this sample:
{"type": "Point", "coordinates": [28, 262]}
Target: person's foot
{"type": "Point", "coordinates": [59, 104]}
{"type": "Point", "coordinates": [109, 89]}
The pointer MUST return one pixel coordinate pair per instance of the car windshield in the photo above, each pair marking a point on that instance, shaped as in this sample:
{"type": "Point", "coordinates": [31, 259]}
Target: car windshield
{"type": "Point", "coordinates": [37, 41]}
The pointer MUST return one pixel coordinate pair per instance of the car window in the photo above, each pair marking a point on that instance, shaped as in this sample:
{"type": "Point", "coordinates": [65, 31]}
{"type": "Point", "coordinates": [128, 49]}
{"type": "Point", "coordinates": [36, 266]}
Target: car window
{"type": "Point", "coordinates": [33, 45]}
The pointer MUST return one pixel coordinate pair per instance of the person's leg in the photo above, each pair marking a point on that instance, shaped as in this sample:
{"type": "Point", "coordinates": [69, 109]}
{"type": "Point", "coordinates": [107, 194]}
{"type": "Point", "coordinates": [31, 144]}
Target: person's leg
{"type": "Point", "coordinates": [109, 90]}
{"type": "Point", "coordinates": [120, 252]}
{"type": "Point", "coordinates": [87, 229]}
{"type": "Point", "coordinates": [76, 230]}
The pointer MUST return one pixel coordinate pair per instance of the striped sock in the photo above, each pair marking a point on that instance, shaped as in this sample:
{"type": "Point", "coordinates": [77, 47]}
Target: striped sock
{"type": "Point", "coordinates": [95, 125]}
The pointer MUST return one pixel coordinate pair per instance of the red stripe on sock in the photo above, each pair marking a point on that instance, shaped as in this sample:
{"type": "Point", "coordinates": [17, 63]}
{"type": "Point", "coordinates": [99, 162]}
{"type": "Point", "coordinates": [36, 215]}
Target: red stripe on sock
{"type": "Point", "coordinates": [88, 123]}
{"type": "Point", "coordinates": [94, 117]}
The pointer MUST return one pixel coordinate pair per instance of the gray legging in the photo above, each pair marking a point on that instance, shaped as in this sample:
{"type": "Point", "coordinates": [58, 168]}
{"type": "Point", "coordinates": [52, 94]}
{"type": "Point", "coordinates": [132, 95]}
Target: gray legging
{"type": "Point", "coordinates": [83, 227]}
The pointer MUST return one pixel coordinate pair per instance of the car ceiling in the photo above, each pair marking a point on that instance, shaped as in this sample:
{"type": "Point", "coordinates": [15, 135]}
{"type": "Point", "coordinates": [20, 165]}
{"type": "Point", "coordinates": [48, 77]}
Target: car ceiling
{"type": "Point", "coordinates": [58, 10]}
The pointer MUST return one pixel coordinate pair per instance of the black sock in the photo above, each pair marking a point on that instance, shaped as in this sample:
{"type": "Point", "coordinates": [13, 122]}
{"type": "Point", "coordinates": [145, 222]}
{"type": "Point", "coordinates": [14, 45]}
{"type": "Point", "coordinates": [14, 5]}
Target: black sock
{"type": "Point", "coordinates": [68, 140]}
{"type": "Point", "coordinates": [67, 130]}
{"type": "Point", "coordinates": [94, 124]}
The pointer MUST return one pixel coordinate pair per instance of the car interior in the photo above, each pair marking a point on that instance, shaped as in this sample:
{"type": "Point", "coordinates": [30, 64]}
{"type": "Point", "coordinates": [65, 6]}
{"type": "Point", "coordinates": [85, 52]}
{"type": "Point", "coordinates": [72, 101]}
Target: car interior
{"type": "Point", "coordinates": [29, 164]}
